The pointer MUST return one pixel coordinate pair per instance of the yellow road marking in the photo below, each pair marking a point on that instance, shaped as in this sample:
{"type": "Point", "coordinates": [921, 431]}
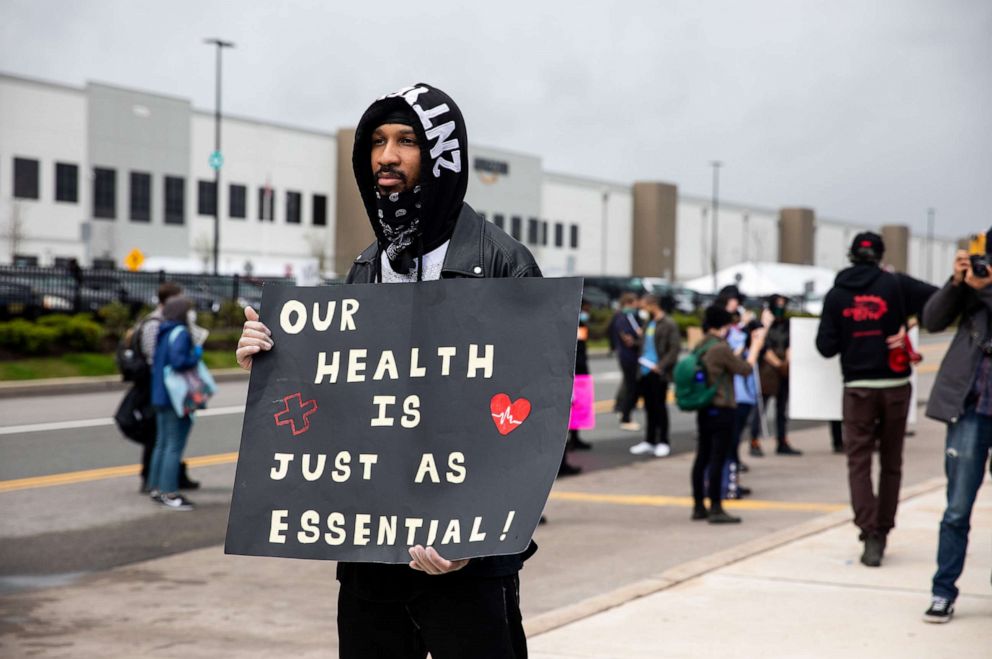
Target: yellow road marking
{"type": "Point", "coordinates": [104, 473]}
{"type": "Point", "coordinates": [687, 502]}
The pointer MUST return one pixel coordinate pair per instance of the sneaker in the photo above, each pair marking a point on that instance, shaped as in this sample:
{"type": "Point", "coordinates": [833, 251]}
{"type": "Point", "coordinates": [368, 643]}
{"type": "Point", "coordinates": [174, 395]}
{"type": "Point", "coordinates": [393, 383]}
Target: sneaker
{"type": "Point", "coordinates": [785, 449]}
{"type": "Point", "coordinates": [642, 448]}
{"type": "Point", "coordinates": [743, 491]}
{"type": "Point", "coordinates": [874, 546]}
{"type": "Point", "coordinates": [578, 444]}
{"type": "Point", "coordinates": [154, 495]}
{"type": "Point", "coordinates": [568, 470]}
{"type": "Point", "coordinates": [721, 517]}
{"type": "Point", "coordinates": [941, 610]}
{"type": "Point", "coordinates": [699, 512]}
{"type": "Point", "coordinates": [756, 451]}
{"type": "Point", "coordinates": [743, 468]}
{"type": "Point", "coordinates": [662, 450]}
{"type": "Point", "coordinates": [176, 502]}
{"type": "Point", "coordinates": [632, 426]}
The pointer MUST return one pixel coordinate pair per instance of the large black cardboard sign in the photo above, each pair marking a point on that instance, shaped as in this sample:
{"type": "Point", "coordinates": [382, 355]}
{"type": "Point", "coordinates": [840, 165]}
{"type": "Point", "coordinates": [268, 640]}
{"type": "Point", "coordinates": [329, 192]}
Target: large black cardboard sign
{"type": "Point", "coordinates": [388, 416]}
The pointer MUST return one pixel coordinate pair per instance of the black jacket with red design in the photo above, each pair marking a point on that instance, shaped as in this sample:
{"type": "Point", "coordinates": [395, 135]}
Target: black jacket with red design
{"type": "Point", "coordinates": [866, 305]}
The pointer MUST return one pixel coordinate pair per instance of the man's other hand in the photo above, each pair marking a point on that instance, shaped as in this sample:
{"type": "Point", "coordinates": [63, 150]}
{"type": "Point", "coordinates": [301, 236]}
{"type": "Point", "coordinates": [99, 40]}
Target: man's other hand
{"type": "Point", "coordinates": [961, 266]}
{"type": "Point", "coordinates": [976, 282]}
{"type": "Point", "coordinates": [254, 337]}
{"type": "Point", "coordinates": [897, 340]}
{"type": "Point", "coordinates": [429, 561]}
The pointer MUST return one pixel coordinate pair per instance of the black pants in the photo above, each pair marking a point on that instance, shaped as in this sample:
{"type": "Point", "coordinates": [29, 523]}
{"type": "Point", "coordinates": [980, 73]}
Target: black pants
{"type": "Point", "coordinates": [655, 391]}
{"type": "Point", "coordinates": [470, 617]}
{"type": "Point", "coordinates": [716, 436]}
{"type": "Point", "coordinates": [781, 412]}
{"type": "Point", "coordinates": [741, 414]}
{"type": "Point", "coordinates": [630, 372]}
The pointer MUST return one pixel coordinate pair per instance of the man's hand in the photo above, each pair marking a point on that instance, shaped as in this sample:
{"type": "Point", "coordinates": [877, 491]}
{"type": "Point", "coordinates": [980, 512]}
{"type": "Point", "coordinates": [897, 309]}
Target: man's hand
{"type": "Point", "coordinates": [961, 266]}
{"type": "Point", "coordinates": [254, 337]}
{"type": "Point", "coordinates": [429, 561]}
{"type": "Point", "coordinates": [976, 282]}
{"type": "Point", "coordinates": [628, 340]}
{"type": "Point", "coordinates": [897, 340]}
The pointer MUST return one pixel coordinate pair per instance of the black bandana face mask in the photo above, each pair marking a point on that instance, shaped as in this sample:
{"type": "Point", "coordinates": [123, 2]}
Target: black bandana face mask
{"type": "Point", "coordinates": [399, 219]}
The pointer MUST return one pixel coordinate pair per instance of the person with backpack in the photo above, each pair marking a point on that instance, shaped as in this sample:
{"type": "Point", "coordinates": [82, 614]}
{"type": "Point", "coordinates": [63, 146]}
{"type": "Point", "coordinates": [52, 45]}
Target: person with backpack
{"type": "Point", "coordinates": [136, 414]}
{"type": "Point", "coordinates": [704, 382]}
{"type": "Point", "coordinates": [864, 321]}
{"type": "Point", "coordinates": [175, 350]}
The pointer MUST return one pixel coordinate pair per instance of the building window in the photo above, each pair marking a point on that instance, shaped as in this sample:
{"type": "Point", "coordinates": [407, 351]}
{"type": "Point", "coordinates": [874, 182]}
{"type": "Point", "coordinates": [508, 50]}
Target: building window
{"type": "Point", "coordinates": [266, 204]}
{"type": "Point", "coordinates": [206, 198]}
{"type": "Point", "coordinates": [292, 207]}
{"type": "Point", "coordinates": [66, 182]}
{"type": "Point", "coordinates": [319, 210]}
{"type": "Point", "coordinates": [104, 192]}
{"type": "Point", "coordinates": [532, 231]}
{"type": "Point", "coordinates": [141, 197]}
{"type": "Point", "coordinates": [574, 236]}
{"type": "Point", "coordinates": [544, 234]}
{"type": "Point", "coordinates": [237, 201]}
{"type": "Point", "coordinates": [175, 200]}
{"type": "Point", "coordinates": [25, 178]}
{"type": "Point", "coordinates": [498, 220]}
{"type": "Point", "coordinates": [517, 230]}
{"type": "Point", "coordinates": [559, 234]}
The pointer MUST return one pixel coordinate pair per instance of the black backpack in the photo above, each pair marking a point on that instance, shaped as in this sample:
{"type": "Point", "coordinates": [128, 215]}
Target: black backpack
{"type": "Point", "coordinates": [130, 358]}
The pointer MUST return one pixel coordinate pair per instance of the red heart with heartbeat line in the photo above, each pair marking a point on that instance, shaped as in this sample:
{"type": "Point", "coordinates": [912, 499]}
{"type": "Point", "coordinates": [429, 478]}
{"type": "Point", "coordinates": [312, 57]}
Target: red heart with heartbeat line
{"type": "Point", "coordinates": [508, 416]}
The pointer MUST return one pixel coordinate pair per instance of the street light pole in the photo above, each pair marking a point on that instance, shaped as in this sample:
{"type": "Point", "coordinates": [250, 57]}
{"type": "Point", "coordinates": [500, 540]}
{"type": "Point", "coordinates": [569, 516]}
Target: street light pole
{"type": "Point", "coordinates": [606, 201]}
{"type": "Point", "coordinates": [714, 254]}
{"type": "Point", "coordinates": [216, 159]}
{"type": "Point", "coordinates": [930, 214]}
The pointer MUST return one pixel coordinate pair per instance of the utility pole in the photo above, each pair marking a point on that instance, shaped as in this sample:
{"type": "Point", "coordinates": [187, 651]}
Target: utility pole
{"type": "Point", "coordinates": [714, 242]}
{"type": "Point", "coordinates": [216, 158]}
{"type": "Point", "coordinates": [606, 202]}
{"type": "Point", "coordinates": [930, 214]}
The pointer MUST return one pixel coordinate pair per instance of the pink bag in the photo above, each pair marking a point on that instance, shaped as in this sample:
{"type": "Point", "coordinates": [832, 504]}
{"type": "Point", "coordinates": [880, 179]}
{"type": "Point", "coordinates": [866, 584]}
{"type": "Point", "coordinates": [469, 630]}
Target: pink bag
{"type": "Point", "coordinates": [583, 416]}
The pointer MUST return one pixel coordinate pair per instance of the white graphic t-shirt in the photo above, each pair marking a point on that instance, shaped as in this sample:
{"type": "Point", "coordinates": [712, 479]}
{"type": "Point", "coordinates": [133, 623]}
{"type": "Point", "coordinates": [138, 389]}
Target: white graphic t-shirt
{"type": "Point", "coordinates": [433, 262]}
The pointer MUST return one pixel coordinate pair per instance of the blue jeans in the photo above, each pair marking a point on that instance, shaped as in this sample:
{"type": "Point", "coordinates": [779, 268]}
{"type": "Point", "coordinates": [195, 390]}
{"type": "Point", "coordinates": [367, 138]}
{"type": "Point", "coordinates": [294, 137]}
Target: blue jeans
{"type": "Point", "coordinates": [170, 441]}
{"type": "Point", "coordinates": [968, 444]}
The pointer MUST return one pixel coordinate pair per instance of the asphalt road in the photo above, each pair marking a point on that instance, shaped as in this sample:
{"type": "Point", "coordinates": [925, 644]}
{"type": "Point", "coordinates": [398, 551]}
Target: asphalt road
{"type": "Point", "coordinates": [51, 534]}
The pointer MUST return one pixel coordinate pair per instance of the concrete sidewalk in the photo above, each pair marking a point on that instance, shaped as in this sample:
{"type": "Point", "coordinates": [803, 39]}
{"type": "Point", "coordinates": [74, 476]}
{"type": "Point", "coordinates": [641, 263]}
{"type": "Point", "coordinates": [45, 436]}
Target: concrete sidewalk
{"type": "Point", "coordinates": [807, 598]}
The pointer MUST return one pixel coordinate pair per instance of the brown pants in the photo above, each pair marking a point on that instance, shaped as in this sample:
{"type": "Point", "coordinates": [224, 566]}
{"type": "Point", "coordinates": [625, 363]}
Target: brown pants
{"type": "Point", "coordinates": [875, 418]}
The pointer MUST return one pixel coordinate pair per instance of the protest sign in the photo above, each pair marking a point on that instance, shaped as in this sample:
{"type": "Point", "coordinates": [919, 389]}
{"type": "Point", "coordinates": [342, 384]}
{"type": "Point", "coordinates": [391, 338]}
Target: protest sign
{"type": "Point", "coordinates": [387, 416]}
{"type": "Point", "coordinates": [817, 384]}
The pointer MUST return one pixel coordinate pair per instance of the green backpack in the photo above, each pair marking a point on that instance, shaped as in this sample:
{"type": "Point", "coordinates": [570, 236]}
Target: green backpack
{"type": "Point", "coordinates": [692, 390]}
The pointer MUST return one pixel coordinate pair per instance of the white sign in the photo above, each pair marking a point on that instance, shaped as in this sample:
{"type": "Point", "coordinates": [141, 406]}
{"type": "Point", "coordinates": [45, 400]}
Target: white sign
{"type": "Point", "coordinates": [816, 384]}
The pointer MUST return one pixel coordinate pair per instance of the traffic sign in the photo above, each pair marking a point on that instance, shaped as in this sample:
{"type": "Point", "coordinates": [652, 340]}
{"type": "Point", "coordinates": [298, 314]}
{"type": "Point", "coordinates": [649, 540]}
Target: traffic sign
{"type": "Point", "coordinates": [134, 259]}
{"type": "Point", "coordinates": [216, 160]}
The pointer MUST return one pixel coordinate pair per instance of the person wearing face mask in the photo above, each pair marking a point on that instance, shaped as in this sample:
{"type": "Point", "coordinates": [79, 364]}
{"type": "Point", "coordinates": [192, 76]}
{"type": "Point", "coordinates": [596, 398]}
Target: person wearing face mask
{"type": "Point", "coordinates": [659, 352]}
{"type": "Point", "coordinates": [773, 371]}
{"type": "Point", "coordinates": [625, 338]}
{"type": "Point", "coordinates": [176, 349]}
{"type": "Point", "coordinates": [715, 422]}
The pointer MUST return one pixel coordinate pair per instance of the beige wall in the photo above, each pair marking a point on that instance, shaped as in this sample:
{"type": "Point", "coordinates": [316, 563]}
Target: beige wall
{"type": "Point", "coordinates": [896, 239]}
{"type": "Point", "coordinates": [653, 235]}
{"type": "Point", "coordinates": [795, 227]}
{"type": "Point", "coordinates": [352, 232]}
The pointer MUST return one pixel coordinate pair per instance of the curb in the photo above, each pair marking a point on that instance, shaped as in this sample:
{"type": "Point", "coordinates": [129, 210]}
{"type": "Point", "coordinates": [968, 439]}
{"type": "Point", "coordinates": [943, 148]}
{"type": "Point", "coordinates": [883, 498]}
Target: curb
{"type": "Point", "coordinates": [82, 385]}
{"type": "Point", "coordinates": [550, 620]}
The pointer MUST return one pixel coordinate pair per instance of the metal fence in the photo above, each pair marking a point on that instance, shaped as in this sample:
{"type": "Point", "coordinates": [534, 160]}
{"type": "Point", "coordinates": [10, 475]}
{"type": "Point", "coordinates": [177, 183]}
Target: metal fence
{"type": "Point", "coordinates": [30, 291]}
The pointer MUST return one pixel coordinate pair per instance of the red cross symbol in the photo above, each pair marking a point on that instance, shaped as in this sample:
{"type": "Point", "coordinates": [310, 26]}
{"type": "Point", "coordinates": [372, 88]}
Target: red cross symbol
{"type": "Point", "coordinates": [296, 415]}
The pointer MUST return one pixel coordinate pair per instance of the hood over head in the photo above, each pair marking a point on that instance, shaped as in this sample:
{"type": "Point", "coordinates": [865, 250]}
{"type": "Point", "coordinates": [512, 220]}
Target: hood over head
{"type": "Point", "coordinates": [443, 141]}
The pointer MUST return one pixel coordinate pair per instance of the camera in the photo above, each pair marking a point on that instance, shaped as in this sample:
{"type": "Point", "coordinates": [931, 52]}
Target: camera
{"type": "Point", "coordinates": [979, 255]}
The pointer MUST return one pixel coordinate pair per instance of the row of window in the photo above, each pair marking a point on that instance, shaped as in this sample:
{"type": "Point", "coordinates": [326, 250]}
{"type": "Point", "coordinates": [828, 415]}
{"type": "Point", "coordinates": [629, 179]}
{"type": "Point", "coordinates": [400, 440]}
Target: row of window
{"type": "Point", "coordinates": [140, 198]}
{"type": "Point", "coordinates": [537, 230]}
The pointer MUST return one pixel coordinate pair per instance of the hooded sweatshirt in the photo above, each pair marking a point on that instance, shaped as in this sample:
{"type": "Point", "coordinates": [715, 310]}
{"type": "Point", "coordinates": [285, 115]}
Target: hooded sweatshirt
{"type": "Point", "coordinates": [865, 306]}
{"type": "Point", "coordinates": [440, 129]}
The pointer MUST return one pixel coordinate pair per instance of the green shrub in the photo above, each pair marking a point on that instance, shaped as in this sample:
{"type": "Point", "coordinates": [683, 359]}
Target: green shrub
{"type": "Point", "coordinates": [206, 319]}
{"type": "Point", "coordinates": [116, 318]}
{"type": "Point", "coordinates": [231, 314]}
{"type": "Point", "coordinates": [685, 321]}
{"type": "Point", "coordinates": [27, 338]}
{"type": "Point", "coordinates": [81, 333]}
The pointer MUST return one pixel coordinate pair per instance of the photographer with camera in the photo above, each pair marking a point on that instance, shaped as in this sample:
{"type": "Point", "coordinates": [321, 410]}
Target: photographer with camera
{"type": "Point", "coordinates": [864, 320]}
{"type": "Point", "coordinates": [961, 398]}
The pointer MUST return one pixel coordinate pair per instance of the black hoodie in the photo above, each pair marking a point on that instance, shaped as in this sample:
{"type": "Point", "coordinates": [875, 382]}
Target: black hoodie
{"type": "Point", "coordinates": [440, 129]}
{"type": "Point", "coordinates": [866, 305]}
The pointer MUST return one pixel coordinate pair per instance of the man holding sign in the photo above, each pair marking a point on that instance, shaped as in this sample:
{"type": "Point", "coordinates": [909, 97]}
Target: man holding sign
{"type": "Point", "coordinates": [411, 164]}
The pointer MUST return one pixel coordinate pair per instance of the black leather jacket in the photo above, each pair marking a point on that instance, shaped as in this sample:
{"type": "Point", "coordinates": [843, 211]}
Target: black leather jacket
{"type": "Point", "coordinates": [477, 249]}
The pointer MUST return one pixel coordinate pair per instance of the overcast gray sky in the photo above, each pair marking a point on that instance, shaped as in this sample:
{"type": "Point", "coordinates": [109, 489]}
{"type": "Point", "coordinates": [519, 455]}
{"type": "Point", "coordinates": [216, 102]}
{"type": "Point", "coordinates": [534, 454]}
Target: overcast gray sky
{"type": "Point", "coordinates": [865, 111]}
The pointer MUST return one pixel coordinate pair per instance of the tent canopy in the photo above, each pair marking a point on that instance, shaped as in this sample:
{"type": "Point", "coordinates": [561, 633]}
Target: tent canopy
{"type": "Point", "coordinates": [756, 279]}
